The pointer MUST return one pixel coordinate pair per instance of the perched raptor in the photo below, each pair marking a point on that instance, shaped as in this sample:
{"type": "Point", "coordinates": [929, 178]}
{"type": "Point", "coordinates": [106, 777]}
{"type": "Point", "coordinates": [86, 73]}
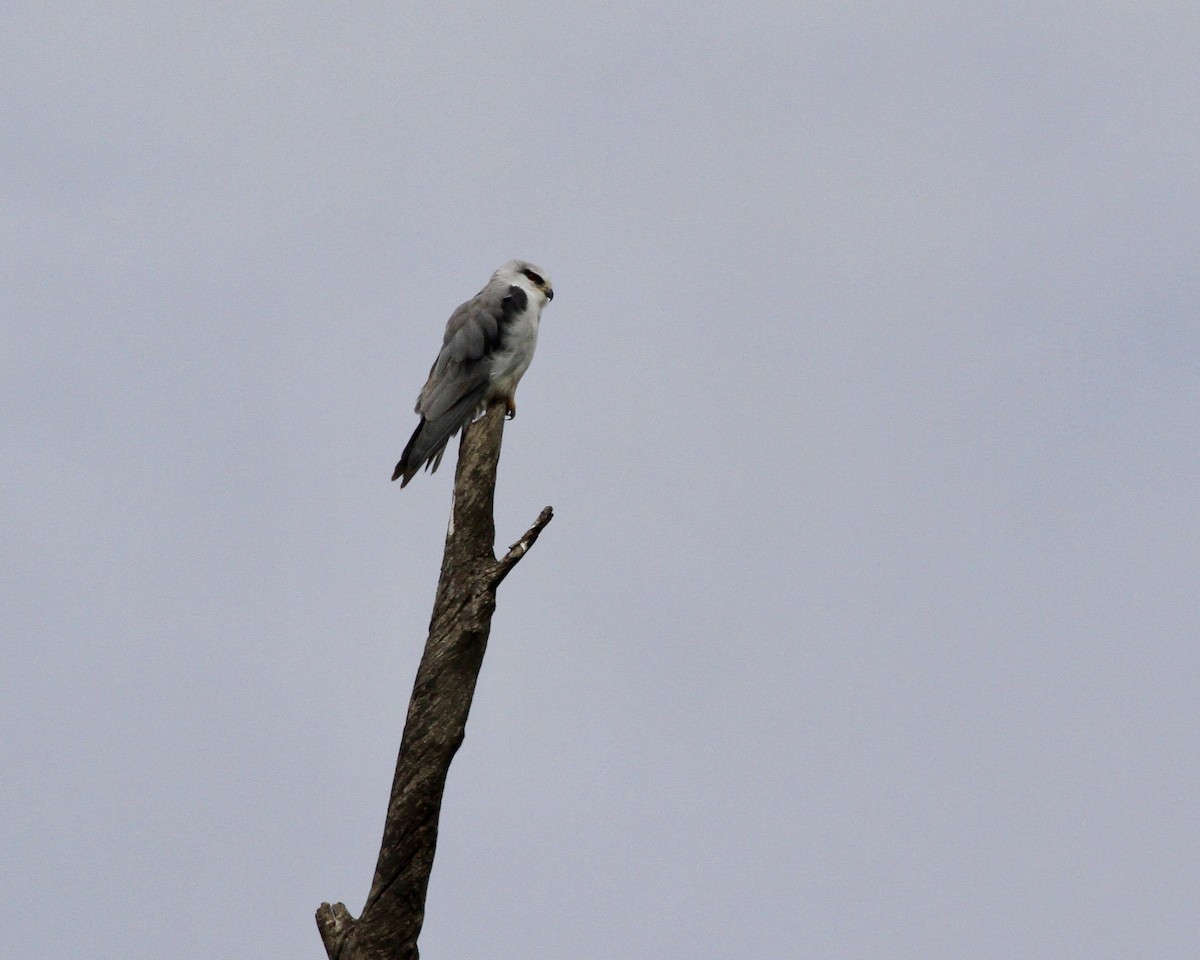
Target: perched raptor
{"type": "Point", "coordinates": [488, 344]}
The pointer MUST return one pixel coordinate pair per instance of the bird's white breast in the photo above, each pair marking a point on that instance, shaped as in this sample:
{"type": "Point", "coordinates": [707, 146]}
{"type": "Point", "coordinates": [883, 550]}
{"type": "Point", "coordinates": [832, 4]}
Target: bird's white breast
{"type": "Point", "coordinates": [510, 362]}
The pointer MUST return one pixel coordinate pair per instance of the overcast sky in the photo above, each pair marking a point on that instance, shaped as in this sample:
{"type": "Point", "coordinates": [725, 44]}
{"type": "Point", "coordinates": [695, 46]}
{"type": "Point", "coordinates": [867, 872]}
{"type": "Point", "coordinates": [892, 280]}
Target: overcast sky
{"type": "Point", "coordinates": [867, 623]}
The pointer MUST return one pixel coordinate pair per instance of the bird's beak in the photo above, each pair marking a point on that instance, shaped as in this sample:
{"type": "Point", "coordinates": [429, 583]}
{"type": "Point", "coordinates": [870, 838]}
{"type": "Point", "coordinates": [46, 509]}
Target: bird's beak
{"type": "Point", "coordinates": [549, 291]}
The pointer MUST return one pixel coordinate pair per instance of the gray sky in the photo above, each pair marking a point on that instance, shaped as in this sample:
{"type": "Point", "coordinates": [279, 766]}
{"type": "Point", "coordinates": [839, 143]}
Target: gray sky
{"type": "Point", "coordinates": [867, 404]}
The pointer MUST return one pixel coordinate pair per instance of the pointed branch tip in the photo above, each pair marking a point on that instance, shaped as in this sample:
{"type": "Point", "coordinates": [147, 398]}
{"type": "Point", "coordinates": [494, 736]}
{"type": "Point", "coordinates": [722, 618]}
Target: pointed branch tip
{"type": "Point", "coordinates": [521, 547]}
{"type": "Point", "coordinates": [334, 923]}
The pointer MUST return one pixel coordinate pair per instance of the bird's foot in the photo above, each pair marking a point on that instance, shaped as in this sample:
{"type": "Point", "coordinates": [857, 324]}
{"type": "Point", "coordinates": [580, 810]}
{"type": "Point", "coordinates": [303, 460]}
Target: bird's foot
{"type": "Point", "coordinates": [510, 408]}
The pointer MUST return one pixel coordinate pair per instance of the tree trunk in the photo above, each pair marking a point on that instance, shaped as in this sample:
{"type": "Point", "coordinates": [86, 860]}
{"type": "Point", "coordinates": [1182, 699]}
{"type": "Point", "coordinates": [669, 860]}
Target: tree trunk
{"type": "Point", "coordinates": [437, 713]}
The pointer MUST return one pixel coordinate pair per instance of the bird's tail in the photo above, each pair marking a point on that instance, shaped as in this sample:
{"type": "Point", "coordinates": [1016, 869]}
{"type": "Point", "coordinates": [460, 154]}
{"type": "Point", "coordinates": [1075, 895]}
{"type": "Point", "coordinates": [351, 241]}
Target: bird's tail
{"type": "Point", "coordinates": [417, 453]}
{"type": "Point", "coordinates": [426, 447]}
{"type": "Point", "coordinates": [428, 442]}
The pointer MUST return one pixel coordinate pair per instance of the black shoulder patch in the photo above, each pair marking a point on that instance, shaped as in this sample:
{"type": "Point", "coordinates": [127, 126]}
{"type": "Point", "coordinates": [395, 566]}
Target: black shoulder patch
{"type": "Point", "coordinates": [516, 302]}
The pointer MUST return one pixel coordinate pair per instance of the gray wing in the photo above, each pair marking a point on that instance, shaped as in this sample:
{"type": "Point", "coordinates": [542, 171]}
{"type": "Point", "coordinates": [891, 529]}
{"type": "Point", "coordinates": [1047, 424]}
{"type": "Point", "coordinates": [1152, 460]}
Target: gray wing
{"type": "Point", "coordinates": [459, 378]}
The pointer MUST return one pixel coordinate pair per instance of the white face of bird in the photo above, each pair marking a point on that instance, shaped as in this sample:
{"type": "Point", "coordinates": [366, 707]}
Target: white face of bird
{"type": "Point", "coordinates": [529, 278]}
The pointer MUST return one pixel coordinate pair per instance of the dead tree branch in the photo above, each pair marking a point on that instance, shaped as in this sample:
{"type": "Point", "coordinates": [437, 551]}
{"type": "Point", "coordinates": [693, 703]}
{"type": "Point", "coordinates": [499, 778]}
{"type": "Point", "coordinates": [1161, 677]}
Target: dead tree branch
{"type": "Point", "coordinates": [391, 920]}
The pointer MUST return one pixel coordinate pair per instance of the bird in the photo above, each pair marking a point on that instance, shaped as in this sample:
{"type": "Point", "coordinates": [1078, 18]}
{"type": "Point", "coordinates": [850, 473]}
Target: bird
{"type": "Point", "coordinates": [487, 348]}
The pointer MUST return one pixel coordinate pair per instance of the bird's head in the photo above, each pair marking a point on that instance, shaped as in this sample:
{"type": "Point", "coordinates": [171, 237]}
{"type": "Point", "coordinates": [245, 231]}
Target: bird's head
{"type": "Point", "coordinates": [526, 275]}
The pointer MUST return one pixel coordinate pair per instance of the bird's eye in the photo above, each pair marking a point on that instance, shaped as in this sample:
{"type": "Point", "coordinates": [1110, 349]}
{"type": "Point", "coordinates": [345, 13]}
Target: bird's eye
{"type": "Point", "coordinates": [533, 277]}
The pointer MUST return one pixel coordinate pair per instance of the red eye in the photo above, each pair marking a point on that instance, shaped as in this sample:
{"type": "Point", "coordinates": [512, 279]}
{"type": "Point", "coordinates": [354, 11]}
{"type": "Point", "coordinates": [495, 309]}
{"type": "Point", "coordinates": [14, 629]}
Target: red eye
{"type": "Point", "coordinates": [538, 281]}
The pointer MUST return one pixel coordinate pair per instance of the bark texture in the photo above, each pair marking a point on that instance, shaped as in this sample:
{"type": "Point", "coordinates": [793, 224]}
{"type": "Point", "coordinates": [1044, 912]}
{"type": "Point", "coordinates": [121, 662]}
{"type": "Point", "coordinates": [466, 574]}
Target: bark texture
{"type": "Point", "coordinates": [391, 920]}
